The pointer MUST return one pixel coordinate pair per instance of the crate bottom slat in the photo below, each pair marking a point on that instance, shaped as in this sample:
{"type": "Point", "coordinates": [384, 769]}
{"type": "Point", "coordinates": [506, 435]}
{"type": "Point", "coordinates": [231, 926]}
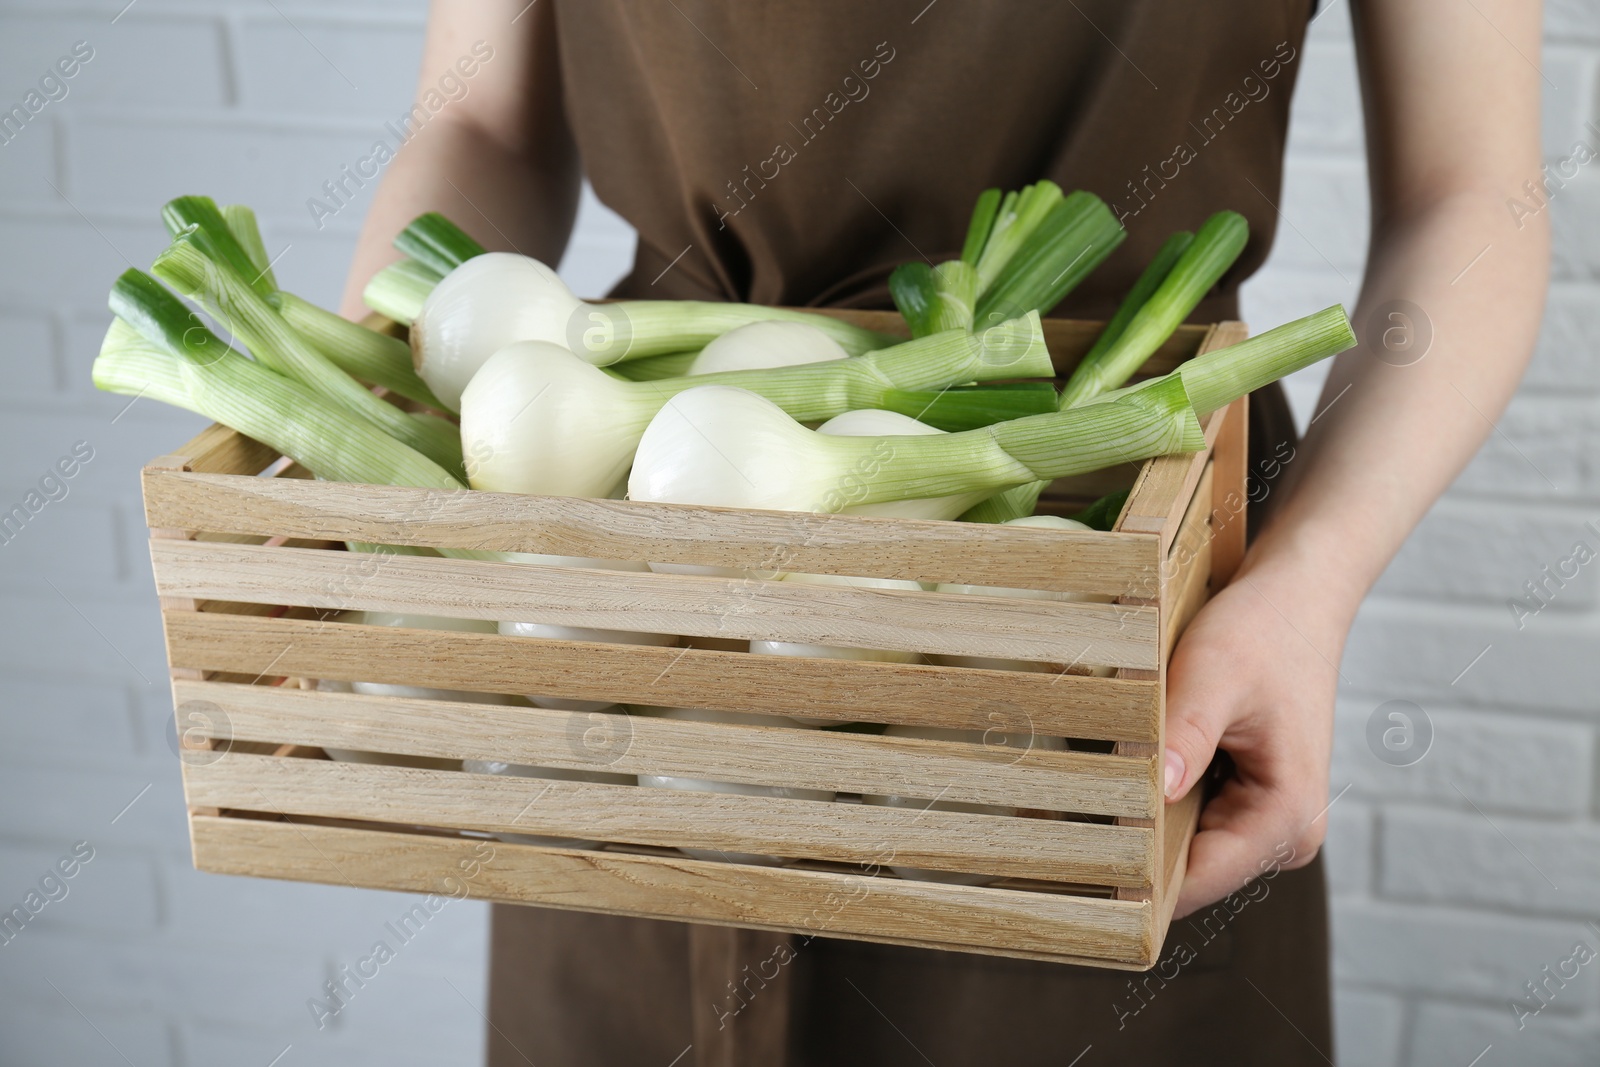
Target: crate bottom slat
{"type": "Point", "coordinates": [1056, 928]}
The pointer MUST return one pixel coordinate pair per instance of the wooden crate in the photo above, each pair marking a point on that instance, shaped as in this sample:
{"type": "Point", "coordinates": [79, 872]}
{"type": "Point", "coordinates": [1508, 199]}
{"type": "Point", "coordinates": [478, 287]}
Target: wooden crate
{"type": "Point", "coordinates": [250, 563]}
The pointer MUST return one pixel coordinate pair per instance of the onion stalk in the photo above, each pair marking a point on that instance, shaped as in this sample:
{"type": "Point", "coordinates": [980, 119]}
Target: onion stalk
{"type": "Point", "coordinates": [241, 222]}
{"type": "Point", "coordinates": [967, 407]}
{"type": "Point", "coordinates": [730, 448]}
{"type": "Point", "coordinates": [500, 298]}
{"type": "Point", "coordinates": [157, 347]}
{"type": "Point", "coordinates": [248, 316]}
{"type": "Point", "coordinates": [537, 419]}
{"type": "Point", "coordinates": [398, 291]}
{"type": "Point", "coordinates": [1202, 264]}
{"type": "Point", "coordinates": [359, 352]}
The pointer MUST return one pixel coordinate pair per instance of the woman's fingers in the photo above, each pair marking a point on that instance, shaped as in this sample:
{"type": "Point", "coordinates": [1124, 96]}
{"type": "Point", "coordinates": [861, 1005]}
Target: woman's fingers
{"type": "Point", "coordinates": [1243, 682]}
{"type": "Point", "coordinates": [1248, 831]}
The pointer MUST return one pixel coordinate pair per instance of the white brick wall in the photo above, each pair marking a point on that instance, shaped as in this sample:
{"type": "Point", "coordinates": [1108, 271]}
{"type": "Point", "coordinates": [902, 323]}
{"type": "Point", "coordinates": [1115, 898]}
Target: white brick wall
{"type": "Point", "coordinates": [1442, 907]}
{"type": "Point", "coordinates": [1455, 880]}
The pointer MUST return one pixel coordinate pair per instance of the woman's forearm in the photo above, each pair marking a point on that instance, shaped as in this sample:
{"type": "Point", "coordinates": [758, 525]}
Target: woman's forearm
{"type": "Point", "coordinates": [1395, 424]}
{"type": "Point", "coordinates": [508, 203]}
{"type": "Point", "coordinates": [500, 160]}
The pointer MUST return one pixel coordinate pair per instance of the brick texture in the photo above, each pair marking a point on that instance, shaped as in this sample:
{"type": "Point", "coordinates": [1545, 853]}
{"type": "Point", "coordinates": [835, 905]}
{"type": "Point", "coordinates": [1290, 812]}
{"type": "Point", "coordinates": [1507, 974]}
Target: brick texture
{"type": "Point", "coordinates": [1439, 870]}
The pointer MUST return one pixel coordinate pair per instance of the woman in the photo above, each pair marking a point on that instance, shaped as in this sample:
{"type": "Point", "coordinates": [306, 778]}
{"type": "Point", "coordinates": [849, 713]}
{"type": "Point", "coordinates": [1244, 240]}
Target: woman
{"type": "Point", "coordinates": [794, 153]}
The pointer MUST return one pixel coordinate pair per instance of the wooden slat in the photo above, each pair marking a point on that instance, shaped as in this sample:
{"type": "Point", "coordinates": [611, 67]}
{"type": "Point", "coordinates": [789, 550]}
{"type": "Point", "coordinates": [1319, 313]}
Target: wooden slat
{"type": "Point", "coordinates": [1230, 457]}
{"type": "Point", "coordinates": [1106, 709]}
{"type": "Point", "coordinates": [215, 450]}
{"type": "Point", "coordinates": [1092, 783]}
{"type": "Point", "coordinates": [845, 833]}
{"type": "Point", "coordinates": [1165, 485]}
{"type": "Point", "coordinates": [1028, 925]}
{"type": "Point", "coordinates": [1182, 819]}
{"type": "Point", "coordinates": [1189, 564]}
{"type": "Point", "coordinates": [918, 550]}
{"type": "Point", "coordinates": [1042, 630]}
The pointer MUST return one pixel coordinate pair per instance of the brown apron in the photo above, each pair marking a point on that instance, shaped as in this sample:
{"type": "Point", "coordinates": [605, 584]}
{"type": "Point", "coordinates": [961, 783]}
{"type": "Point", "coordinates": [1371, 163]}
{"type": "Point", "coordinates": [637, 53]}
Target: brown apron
{"type": "Point", "coordinates": [794, 153]}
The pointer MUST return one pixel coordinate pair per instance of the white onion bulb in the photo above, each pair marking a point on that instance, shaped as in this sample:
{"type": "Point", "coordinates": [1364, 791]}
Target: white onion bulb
{"type": "Point", "coordinates": [873, 422]}
{"type": "Point", "coordinates": [760, 345]}
{"type": "Point", "coordinates": [480, 307]}
{"type": "Point", "coordinates": [537, 419]}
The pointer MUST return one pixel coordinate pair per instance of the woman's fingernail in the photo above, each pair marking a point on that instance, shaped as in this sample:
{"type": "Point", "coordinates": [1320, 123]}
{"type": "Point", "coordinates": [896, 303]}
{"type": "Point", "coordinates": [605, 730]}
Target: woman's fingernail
{"type": "Point", "coordinates": [1174, 773]}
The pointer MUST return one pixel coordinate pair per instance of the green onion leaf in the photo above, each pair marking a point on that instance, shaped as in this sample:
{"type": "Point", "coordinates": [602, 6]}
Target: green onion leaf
{"type": "Point", "coordinates": [914, 291]}
{"type": "Point", "coordinates": [983, 213]}
{"type": "Point", "coordinates": [955, 286]}
{"type": "Point", "coordinates": [437, 242]}
{"type": "Point", "coordinates": [1077, 236]}
{"type": "Point", "coordinates": [398, 291]}
{"type": "Point", "coordinates": [248, 316]}
{"type": "Point", "coordinates": [969, 407]}
{"type": "Point", "coordinates": [157, 347]}
{"type": "Point", "coordinates": [1013, 229]}
{"type": "Point", "coordinates": [197, 218]}
{"type": "Point", "coordinates": [1202, 265]}
{"type": "Point", "coordinates": [1149, 280]}
{"type": "Point", "coordinates": [359, 352]}
{"type": "Point", "coordinates": [1102, 514]}
{"type": "Point", "coordinates": [241, 222]}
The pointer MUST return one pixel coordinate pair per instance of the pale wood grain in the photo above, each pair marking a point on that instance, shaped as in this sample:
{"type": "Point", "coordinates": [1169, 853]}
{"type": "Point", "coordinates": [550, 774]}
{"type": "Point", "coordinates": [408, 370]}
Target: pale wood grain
{"type": "Point", "coordinates": [915, 694]}
{"type": "Point", "coordinates": [861, 834]}
{"type": "Point", "coordinates": [1048, 631]}
{"type": "Point", "coordinates": [917, 550]}
{"type": "Point", "coordinates": [217, 449]}
{"type": "Point", "coordinates": [1029, 925]}
{"type": "Point", "coordinates": [1182, 820]}
{"type": "Point", "coordinates": [1014, 775]}
{"type": "Point", "coordinates": [199, 490]}
{"type": "Point", "coordinates": [1189, 564]}
{"type": "Point", "coordinates": [1231, 459]}
{"type": "Point", "coordinates": [1165, 484]}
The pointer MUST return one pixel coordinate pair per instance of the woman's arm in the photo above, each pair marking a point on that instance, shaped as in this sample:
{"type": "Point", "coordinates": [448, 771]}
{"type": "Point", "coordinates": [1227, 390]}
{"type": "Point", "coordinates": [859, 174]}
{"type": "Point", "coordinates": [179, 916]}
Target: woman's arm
{"type": "Point", "coordinates": [500, 160]}
{"type": "Point", "coordinates": [1452, 116]}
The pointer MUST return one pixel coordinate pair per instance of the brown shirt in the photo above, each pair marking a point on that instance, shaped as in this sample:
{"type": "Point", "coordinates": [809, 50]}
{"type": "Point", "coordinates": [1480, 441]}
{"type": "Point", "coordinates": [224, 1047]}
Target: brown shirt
{"type": "Point", "coordinates": [790, 153]}
{"type": "Point", "coordinates": [794, 153]}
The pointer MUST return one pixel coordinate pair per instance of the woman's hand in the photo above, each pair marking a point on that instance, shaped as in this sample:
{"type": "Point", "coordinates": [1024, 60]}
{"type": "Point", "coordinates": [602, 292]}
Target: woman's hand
{"type": "Point", "coordinates": [1452, 110]}
{"type": "Point", "coordinates": [1254, 674]}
